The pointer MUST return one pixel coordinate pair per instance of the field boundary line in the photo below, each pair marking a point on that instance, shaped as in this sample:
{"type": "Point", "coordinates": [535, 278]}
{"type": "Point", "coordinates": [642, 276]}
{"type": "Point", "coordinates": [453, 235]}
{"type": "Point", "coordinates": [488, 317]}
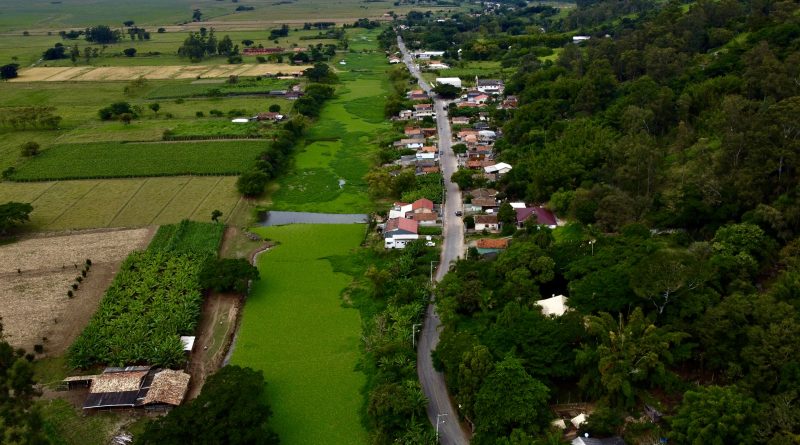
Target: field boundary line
{"type": "Point", "coordinates": [43, 192]}
{"type": "Point", "coordinates": [170, 200]}
{"type": "Point", "coordinates": [124, 206]}
{"type": "Point", "coordinates": [73, 204]}
{"type": "Point", "coordinates": [210, 190]}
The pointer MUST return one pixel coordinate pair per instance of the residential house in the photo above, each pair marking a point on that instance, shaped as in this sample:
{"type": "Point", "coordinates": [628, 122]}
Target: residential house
{"type": "Point", "coordinates": [480, 125]}
{"type": "Point", "coordinates": [485, 203]}
{"type": "Point", "coordinates": [497, 169]}
{"type": "Point", "coordinates": [483, 193]}
{"type": "Point", "coordinates": [427, 55]}
{"type": "Point", "coordinates": [463, 134]}
{"type": "Point", "coordinates": [454, 81]}
{"type": "Point", "coordinates": [270, 116]}
{"type": "Point", "coordinates": [418, 95]}
{"type": "Point", "coordinates": [580, 39]}
{"type": "Point", "coordinates": [460, 120]}
{"type": "Point", "coordinates": [429, 149]}
{"type": "Point", "coordinates": [394, 60]}
{"type": "Point", "coordinates": [436, 65]}
{"type": "Point", "coordinates": [428, 170]}
{"type": "Point", "coordinates": [429, 132]}
{"type": "Point", "coordinates": [486, 135]}
{"type": "Point", "coordinates": [487, 222]}
{"type": "Point", "coordinates": [406, 115]}
{"type": "Point", "coordinates": [262, 51]}
{"type": "Point", "coordinates": [413, 132]}
{"type": "Point", "coordinates": [423, 110]}
{"type": "Point", "coordinates": [490, 86]}
{"type": "Point", "coordinates": [480, 99]}
{"type": "Point", "coordinates": [539, 215]}
{"type": "Point", "coordinates": [399, 232]}
{"type": "Point", "coordinates": [423, 156]}
{"type": "Point", "coordinates": [510, 103]}
{"type": "Point", "coordinates": [412, 144]}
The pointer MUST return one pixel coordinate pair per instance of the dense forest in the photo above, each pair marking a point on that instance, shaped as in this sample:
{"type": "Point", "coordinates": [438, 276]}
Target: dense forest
{"type": "Point", "coordinates": [669, 142]}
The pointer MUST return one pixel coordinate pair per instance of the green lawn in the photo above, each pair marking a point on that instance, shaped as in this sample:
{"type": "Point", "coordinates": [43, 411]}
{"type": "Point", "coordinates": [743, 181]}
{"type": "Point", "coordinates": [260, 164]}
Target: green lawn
{"type": "Point", "coordinates": [295, 329]}
{"type": "Point", "coordinates": [139, 159]}
{"type": "Point", "coordinates": [64, 425]}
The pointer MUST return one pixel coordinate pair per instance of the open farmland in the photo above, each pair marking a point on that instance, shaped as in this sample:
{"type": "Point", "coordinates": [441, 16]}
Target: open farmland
{"type": "Point", "coordinates": [125, 160]}
{"type": "Point", "coordinates": [63, 205]}
{"type": "Point", "coordinates": [296, 331]}
{"type": "Point", "coordinates": [36, 273]}
{"type": "Point", "coordinates": [127, 73]}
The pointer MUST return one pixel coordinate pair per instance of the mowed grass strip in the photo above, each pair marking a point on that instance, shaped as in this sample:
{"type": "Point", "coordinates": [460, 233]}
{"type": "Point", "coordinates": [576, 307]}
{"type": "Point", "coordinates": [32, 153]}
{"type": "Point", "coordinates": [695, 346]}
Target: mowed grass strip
{"type": "Point", "coordinates": [295, 329]}
{"type": "Point", "coordinates": [65, 205]}
{"type": "Point", "coordinates": [125, 160]}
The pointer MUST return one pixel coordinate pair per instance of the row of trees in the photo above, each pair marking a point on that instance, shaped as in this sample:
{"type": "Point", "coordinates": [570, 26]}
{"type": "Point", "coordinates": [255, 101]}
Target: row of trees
{"type": "Point", "coordinates": [204, 44]}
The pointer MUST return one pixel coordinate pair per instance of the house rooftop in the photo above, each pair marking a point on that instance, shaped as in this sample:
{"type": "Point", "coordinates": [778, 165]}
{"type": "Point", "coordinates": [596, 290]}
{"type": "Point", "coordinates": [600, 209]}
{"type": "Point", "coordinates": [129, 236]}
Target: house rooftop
{"type": "Point", "coordinates": [485, 219]}
{"type": "Point", "coordinates": [492, 243]}
{"type": "Point", "coordinates": [401, 224]}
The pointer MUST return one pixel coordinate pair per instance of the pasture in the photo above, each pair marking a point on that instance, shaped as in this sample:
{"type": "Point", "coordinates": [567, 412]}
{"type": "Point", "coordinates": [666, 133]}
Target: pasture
{"type": "Point", "coordinates": [68, 205]}
{"type": "Point", "coordinates": [295, 329]}
{"type": "Point", "coordinates": [36, 273]}
{"type": "Point", "coordinates": [140, 159]}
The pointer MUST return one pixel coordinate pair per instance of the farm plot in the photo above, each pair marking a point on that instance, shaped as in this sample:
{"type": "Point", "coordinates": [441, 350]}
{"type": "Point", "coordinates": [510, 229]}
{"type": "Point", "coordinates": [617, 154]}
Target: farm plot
{"type": "Point", "coordinates": [154, 299]}
{"type": "Point", "coordinates": [139, 159]}
{"type": "Point", "coordinates": [163, 200]}
{"type": "Point", "coordinates": [296, 331]}
{"type": "Point", "coordinates": [125, 73]}
{"type": "Point", "coordinates": [36, 273]}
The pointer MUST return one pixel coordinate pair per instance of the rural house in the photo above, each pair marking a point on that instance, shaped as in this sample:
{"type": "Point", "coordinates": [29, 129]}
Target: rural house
{"type": "Point", "coordinates": [490, 86]}
{"type": "Point", "coordinates": [538, 215]}
{"type": "Point", "coordinates": [399, 232]}
{"type": "Point", "coordinates": [487, 222]}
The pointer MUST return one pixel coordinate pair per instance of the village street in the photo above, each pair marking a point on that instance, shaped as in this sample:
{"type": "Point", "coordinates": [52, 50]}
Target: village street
{"type": "Point", "coordinates": [440, 408]}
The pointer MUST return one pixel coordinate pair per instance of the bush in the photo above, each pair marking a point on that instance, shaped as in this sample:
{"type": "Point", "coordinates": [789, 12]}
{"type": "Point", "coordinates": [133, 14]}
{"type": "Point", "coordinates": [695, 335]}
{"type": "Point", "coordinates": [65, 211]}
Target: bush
{"type": "Point", "coordinates": [428, 230]}
{"type": "Point", "coordinates": [252, 183]}
{"type": "Point", "coordinates": [129, 52]}
{"type": "Point", "coordinates": [228, 275]}
{"type": "Point", "coordinates": [29, 149]}
{"type": "Point", "coordinates": [116, 111]}
{"type": "Point", "coordinates": [216, 113]}
{"type": "Point", "coordinates": [199, 114]}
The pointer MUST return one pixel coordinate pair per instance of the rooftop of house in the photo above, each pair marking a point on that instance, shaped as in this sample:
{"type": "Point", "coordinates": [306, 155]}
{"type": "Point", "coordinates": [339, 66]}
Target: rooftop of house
{"type": "Point", "coordinates": [492, 243]}
{"type": "Point", "coordinates": [484, 202]}
{"type": "Point", "coordinates": [401, 224]}
{"type": "Point", "coordinates": [543, 216]}
{"type": "Point", "coordinates": [422, 203]}
{"type": "Point", "coordinates": [485, 219]}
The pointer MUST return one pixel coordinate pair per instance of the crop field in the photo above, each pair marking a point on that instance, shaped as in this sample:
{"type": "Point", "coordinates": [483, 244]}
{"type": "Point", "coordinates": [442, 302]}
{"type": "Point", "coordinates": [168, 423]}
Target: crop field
{"type": "Point", "coordinates": [127, 73]}
{"type": "Point", "coordinates": [139, 159]}
{"type": "Point", "coordinates": [36, 273]}
{"type": "Point", "coordinates": [296, 331]}
{"type": "Point", "coordinates": [41, 15]}
{"type": "Point", "coordinates": [67, 205]}
{"type": "Point", "coordinates": [340, 144]}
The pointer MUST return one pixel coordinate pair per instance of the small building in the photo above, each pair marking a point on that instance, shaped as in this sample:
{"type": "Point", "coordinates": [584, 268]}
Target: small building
{"type": "Point", "coordinates": [490, 86]}
{"type": "Point", "coordinates": [240, 120]}
{"type": "Point", "coordinates": [491, 245]}
{"type": "Point", "coordinates": [394, 60]}
{"type": "Point", "coordinates": [262, 51]}
{"type": "Point", "coordinates": [270, 116]}
{"type": "Point", "coordinates": [134, 387]}
{"type": "Point", "coordinates": [454, 81]}
{"type": "Point", "coordinates": [399, 232]}
{"type": "Point", "coordinates": [483, 193]}
{"type": "Point", "coordinates": [427, 55]}
{"type": "Point", "coordinates": [580, 39]}
{"type": "Point", "coordinates": [498, 169]}
{"type": "Point", "coordinates": [485, 203]}
{"type": "Point", "coordinates": [435, 65]}
{"type": "Point", "coordinates": [487, 222]}
{"type": "Point", "coordinates": [460, 120]}
{"type": "Point", "coordinates": [540, 215]}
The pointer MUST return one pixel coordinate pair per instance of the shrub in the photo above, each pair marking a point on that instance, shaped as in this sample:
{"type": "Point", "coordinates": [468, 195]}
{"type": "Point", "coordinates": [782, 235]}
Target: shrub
{"type": "Point", "coordinates": [252, 183]}
{"type": "Point", "coordinates": [70, 294]}
{"type": "Point", "coordinates": [199, 114]}
{"type": "Point", "coordinates": [37, 348]}
{"type": "Point", "coordinates": [30, 149]}
{"type": "Point", "coordinates": [74, 286]}
{"type": "Point", "coordinates": [129, 52]}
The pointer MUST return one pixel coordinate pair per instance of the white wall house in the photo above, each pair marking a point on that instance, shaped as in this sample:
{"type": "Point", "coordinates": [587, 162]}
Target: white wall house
{"type": "Point", "coordinates": [455, 81]}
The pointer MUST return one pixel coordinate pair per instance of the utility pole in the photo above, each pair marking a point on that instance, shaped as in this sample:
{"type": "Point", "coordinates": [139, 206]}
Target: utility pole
{"type": "Point", "coordinates": [414, 334]}
{"type": "Point", "coordinates": [438, 416]}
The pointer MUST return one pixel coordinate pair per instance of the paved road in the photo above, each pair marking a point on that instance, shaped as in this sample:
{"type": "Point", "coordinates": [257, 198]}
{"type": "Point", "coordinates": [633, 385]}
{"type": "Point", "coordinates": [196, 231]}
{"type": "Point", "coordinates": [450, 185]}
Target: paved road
{"type": "Point", "coordinates": [440, 408]}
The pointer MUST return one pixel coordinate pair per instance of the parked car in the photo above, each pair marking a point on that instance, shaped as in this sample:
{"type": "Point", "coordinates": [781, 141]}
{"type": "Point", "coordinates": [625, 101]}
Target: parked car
{"type": "Point", "coordinates": [459, 213]}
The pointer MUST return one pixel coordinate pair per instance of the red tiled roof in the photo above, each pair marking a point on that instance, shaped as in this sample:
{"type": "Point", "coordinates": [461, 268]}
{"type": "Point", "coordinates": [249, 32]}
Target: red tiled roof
{"type": "Point", "coordinates": [484, 202]}
{"type": "Point", "coordinates": [485, 219]}
{"type": "Point", "coordinates": [430, 169]}
{"type": "Point", "coordinates": [492, 243]}
{"type": "Point", "coordinates": [402, 224]}
{"type": "Point", "coordinates": [424, 216]}
{"type": "Point", "coordinates": [422, 203]}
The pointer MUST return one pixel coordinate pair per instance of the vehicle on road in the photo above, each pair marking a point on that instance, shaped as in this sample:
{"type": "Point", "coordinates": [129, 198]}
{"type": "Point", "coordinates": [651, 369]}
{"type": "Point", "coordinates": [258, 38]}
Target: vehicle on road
{"type": "Point", "coordinates": [459, 213]}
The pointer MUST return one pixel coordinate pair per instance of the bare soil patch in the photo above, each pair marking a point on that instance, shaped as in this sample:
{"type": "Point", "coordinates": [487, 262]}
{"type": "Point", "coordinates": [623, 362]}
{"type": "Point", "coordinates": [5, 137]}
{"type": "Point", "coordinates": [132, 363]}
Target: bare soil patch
{"type": "Point", "coordinates": [36, 273]}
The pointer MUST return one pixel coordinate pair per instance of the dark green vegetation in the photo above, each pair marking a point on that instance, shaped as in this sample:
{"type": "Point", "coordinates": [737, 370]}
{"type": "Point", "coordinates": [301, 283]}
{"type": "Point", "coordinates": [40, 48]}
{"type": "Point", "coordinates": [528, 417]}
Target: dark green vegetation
{"type": "Point", "coordinates": [20, 419]}
{"type": "Point", "coordinates": [392, 294]}
{"type": "Point", "coordinates": [231, 409]}
{"type": "Point", "coordinates": [228, 275]}
{"type": "Point", "coordinates": [12, 214]}
{"type": "Point", "coordinates": [154, 299]}
{"type": "Point", "coordinates": [673, 145]}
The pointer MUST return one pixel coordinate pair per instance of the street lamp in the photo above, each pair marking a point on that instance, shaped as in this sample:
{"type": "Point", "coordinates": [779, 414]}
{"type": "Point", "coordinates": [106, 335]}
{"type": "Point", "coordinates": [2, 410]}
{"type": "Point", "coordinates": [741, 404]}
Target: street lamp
{"type": "Point", "coordinates": [591, 243]}
{"type": "Point", "coordinates": [438, 416]}
{"type": "Point", "coordinates": [432, 262]}
{"type": "Point", "coordinates": [414, 334]}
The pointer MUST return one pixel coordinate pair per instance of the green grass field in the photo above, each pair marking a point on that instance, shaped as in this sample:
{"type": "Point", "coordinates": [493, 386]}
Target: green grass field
{"type": "Point", "coordinates": [340, 144]}
{"type": "Point", "coordinates": [140, 159]}
{"type": "Point", "coordinates": [295, 329]}
{"type": "Point", "coordinates": [64, 205]}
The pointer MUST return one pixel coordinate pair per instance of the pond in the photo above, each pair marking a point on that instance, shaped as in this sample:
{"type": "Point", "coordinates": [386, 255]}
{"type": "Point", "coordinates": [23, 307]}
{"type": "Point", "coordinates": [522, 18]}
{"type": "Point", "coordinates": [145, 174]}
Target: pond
{"type": "Point", "coordinates": [276, 218]}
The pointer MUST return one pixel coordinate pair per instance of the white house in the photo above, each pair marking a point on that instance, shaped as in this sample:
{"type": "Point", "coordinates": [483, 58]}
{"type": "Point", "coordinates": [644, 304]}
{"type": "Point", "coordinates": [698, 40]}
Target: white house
{"type": "Point", "coordinates": [580, 39]}
{"type": "Point", "coordinates": [438, 66]}
{"type": "Point", "coordinates": [399, 232]}
{"type": "Point", "coordinates": [486, 222]}
{"type": "Point", "coordinates": [427, 55]}
{"type": "Point", "coordinates": [489, 86]}
{"type": "Point", "coordinates": [455, 81]}
{"type": "Point", "coordinates": [394, 60]}
{"type": "Point", "coordinates": [500, 168]}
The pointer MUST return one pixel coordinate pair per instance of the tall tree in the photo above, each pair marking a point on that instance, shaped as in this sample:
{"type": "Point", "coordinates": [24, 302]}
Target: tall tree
{"type": "Point", "coordinates": [13, 214]}
{"type": "Point", "coordinates": [715, 416]}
